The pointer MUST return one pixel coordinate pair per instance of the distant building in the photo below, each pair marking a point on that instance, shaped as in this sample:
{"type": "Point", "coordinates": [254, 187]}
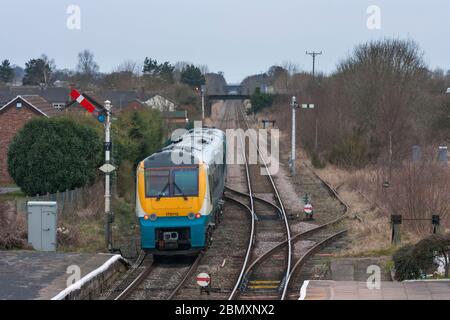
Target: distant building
{"type": "Point", "coordinates": [174, 120]}
{"type": "Point", "coordinates": [58, 97]}
{"type": "Point", "coordinates": [179, 117]}
{"type": "Point", "coordinates": [13, 117]}
{"type": "Point", "coordinates": [135, 104]}
{"type": "Point", "coordinates": [120, 99]}
{"type": "Point", "coordinates": [161, 103]}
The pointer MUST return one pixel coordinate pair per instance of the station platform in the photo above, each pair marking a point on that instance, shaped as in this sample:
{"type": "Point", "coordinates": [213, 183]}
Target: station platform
{"type": "Point", "coordinates": [32, 275]}
{"type": "Point", "coordinates": [351, 290]}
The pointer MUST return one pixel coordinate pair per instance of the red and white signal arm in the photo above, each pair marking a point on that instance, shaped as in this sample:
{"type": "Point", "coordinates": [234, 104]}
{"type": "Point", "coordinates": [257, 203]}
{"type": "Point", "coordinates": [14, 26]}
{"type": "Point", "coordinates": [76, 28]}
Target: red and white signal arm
{"type": "Point", "coordinates": [85, 103]}
{"type": "Point", "coordinates": [308, 208]}
{"type": "Point", "coordinates": [203, 279]}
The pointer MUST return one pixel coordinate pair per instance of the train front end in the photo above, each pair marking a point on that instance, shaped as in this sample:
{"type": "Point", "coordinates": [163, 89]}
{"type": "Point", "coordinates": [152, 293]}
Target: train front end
{"type": "Point", "coordinates": [172, 206]}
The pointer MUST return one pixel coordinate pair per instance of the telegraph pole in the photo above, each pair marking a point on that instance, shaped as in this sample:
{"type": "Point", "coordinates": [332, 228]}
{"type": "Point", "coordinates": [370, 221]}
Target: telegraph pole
{"type": "Point", "coordinates": [294, 105]}
{"type": "Point", "coordinates": [314, 54]}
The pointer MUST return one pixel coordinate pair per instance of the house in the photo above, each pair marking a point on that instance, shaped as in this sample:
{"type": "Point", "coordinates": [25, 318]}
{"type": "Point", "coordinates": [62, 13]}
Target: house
{"type": "Point", "coordinates": [161, 103]}
{"type": "Point", "coordinates": [58, 97]}
{"type": "Point", "coordinates": [134, 105]}
{"type": "Point", "coordinates": [13, 116]}
{"type": "Point", "coordinates": [120, 99]}
{"type": "Point", "coordinates": [174, 120]}
{"type": "Point", "coordinates": [179, 117]}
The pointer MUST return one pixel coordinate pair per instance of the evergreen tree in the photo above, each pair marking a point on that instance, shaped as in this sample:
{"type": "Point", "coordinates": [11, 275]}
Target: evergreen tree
{"type": "Point", "coordinates": [55, 154]}
{"type": "Point", "coordinates": [150, 66]}
{"type": "Point", "coordinates": [38, 71]}
{"type": "Point", "coordinates": [192, 76]}
{"type": "Point", "coordinates": [162, 72]}
{"type": "Point", "coordinates": [6, 71]}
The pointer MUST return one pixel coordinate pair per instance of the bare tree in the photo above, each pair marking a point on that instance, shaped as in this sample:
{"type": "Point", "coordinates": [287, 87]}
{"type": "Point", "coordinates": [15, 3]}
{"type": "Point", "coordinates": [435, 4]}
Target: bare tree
{"type": "Point", "coordinates": [203, 68]}
{"type": "Point", "coordinates": [130, 66]}
{"type": "Point", "coordinates": [87, 68]}
{"type": "Point", "coordinates": [48, 69]}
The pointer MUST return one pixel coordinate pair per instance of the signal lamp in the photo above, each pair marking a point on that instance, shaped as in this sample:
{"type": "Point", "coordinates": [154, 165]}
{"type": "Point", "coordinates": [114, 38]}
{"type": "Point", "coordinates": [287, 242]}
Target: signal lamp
{"type": "Point", "coordinates": [101, 117]}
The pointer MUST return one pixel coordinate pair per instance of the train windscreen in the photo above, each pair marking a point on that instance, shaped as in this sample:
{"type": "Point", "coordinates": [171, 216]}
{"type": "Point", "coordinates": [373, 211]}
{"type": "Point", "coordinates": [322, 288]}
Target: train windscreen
{"type": "Point", "coordinates": [177, 182]}
{"type": "Point", "coordinates": [157, 183]}
{"type": "Point", "coordinates": [185, 182]}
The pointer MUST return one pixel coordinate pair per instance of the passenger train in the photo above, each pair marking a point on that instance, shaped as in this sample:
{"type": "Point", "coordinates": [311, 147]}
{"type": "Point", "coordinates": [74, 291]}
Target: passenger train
{"type": "Point", "coordinates": [179, 193]}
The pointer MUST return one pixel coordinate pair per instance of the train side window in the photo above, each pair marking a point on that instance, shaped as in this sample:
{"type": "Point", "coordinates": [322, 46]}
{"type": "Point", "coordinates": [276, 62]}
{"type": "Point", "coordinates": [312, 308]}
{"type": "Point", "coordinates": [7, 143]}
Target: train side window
{"type": "Point", "coordinates": [211, 187]}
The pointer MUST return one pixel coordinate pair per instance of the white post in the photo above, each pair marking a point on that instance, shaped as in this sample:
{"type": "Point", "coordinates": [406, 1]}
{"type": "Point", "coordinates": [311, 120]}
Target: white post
{"type": "Point", "coordinates": [108, 233]}
{"type": "Point", "coordinates": [293, 105]}
{"type": "Point", "coordinates": [203, 101]}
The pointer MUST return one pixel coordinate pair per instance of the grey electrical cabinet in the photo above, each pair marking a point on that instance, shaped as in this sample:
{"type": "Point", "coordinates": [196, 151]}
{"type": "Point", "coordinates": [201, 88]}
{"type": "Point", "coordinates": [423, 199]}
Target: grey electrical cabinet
{"type": "Point", "coordinates": [42, 224]}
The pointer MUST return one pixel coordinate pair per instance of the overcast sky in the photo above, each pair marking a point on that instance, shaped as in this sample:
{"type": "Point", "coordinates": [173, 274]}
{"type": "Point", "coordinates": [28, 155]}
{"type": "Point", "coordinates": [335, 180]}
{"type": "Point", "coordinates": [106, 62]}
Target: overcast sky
{"type": "Point", "coordinates": [238, 37]}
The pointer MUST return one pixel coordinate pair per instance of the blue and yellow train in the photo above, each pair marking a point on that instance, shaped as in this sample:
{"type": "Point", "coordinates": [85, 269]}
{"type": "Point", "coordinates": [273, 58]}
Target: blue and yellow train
{"type": "Point", "coordinates": [179, 193]}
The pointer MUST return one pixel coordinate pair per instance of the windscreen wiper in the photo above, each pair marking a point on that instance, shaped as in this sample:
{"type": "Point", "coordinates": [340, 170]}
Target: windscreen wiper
{"type": "Point", "coordinates": [181, 191]}
{"type": "Point", "coordinates": [160, 194]}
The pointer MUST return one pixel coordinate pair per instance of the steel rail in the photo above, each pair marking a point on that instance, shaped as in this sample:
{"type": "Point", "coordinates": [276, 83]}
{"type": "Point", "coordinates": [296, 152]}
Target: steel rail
{"type": "Point", "coordinates": [138, 262]}
{"type": "Point", "coordinates": [284, 215]}
{"type": "Point", "coordinates": [301, 261]}
{"type": "Point", "coordinates": [186, 276]}
{"type": "Point", "coordinates": [255, 198]}
{"type": "Point", "coordinates": [252, 209]}
{"type": "Point", "coordinates": [137, 281]}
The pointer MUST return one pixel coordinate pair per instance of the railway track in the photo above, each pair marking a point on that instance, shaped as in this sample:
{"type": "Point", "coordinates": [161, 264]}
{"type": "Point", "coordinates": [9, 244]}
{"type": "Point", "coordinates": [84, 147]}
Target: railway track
{"type": "Point", "coordinates": [316, 235]}
{"type": "Point", "coordinates": [269, 225]}
{"type": "Point", "coordinates": [265, 271]}
{"type": "Point", "coordinates": [230, 248]}
{"type": "Point", "coordinates": [156, 279]}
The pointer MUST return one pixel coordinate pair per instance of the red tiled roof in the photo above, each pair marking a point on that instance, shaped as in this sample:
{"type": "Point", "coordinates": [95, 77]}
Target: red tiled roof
{"type": "Point", "coordinates": [38, 103]}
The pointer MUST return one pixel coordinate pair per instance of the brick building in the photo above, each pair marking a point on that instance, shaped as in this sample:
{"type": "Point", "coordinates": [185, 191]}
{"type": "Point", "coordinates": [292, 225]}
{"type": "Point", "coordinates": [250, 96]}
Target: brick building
{"type": "Point", "coordinates": [13, 116]}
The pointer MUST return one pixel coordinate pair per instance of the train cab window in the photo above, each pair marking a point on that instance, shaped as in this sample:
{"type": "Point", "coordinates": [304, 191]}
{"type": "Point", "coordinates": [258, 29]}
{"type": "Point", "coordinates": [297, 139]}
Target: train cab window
{"type": "Point", "coordinates": [185, 182]}
{"type": "Point", "coordinates": [157, 183]}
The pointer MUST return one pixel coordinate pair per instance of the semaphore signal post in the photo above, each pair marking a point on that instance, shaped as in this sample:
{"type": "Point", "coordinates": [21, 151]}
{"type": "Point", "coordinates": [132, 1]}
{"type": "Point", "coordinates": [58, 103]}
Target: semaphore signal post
{"type": "Point", "coordinates": [104, 117]}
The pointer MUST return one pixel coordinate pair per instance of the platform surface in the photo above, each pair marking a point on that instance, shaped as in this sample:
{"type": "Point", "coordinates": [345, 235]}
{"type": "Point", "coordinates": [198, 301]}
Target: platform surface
{"type": "Point", "coordinates": [29, 275]}
{"type": "Point", "coordinates": [351, 290]}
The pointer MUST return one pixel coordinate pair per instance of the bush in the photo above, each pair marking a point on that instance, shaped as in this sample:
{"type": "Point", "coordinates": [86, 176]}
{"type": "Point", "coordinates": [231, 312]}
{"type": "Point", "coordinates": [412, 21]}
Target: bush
{"type": "Point", "coordinates": [13, 227]}
{"type": "Point", "coordinates": [260, 101]}
{"type": "Point", "coordinates": [137, 134]}
{"type": "Point", "coordinates": [126, 181]}
{"type": "Point", "coordinates": [405, 264]}
{"type": "Point", "coordinates": [50, 155]}
{"type": "Point", "coordinates": [316, 161]}
{"type": "Point", "coordinates": [412, 261]}
{"type": "Point", "coordinates": [352, 151]}
{"type": "Point", "coordinates": [427, 250]}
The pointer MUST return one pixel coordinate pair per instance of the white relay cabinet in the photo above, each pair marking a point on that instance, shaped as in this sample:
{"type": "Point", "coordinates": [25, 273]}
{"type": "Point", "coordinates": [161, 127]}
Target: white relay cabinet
{"type": "Point", "coordinates": [42, 224]}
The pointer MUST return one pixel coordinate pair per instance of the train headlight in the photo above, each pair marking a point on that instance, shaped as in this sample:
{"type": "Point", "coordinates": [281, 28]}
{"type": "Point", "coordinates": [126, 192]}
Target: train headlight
{"type": "Point", "coordinates": [198, 215]}
{"type": "Point", "coordinates": [191, 216]}
{"type": "Point", "coordinates": [153, 217]}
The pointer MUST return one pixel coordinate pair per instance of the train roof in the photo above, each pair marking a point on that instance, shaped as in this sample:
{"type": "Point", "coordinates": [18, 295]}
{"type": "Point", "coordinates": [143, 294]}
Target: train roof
{"type": "Point", "coordinates": [198, 145]}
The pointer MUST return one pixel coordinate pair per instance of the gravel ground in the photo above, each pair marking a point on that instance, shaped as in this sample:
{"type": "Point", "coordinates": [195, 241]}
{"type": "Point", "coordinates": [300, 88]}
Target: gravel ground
{"type": "Point", "coordinates": [163, 279]}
